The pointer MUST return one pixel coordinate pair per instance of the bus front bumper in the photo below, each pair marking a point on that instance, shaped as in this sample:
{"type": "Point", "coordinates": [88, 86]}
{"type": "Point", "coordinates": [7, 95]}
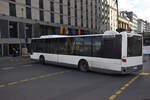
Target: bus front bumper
{"type": "Point", "coordinates": [132, 69]}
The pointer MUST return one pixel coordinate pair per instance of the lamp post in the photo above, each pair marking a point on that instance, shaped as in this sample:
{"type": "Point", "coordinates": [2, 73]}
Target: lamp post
{"type": "Point", "coordinates": [25, 51]}
{"type": "Point", "coordinates": [117, 14]}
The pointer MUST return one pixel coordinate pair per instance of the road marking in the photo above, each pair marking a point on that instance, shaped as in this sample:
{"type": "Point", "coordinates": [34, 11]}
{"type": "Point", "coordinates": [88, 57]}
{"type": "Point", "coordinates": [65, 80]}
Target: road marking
{"type": "Point", "coordinates": [144, 73]}
{"type": "Point", "coordinates": [118, 92]}
{"type": "Point", "coordinates": [112, 97]}
{"type": "Point", "coordinates": [12, 83]}
{"type": "Point", "coordinates": [25, 80]}
{"type": "Point", "coordinates": [8, 68]}
{"type": "Point", "coordinates": [1, 86]}
{"type": "Point", "coordinates": [18, 63]}
{"type": "Point", "coordinates": [123, 88]}
{"type": "Point", "coordinates": [42, 76]}
{"type": "Point", "coordinates": [26, 66]}
{"type": "Point", "coordinates": [127, 85]}
{"type": "Point", "coordinates": [33, 78]}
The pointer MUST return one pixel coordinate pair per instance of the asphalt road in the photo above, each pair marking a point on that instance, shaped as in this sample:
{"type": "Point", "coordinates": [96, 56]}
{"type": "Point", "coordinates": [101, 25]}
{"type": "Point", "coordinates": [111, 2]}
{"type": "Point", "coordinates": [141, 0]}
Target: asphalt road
{"type": "Point", "coordinates": [22, 79]}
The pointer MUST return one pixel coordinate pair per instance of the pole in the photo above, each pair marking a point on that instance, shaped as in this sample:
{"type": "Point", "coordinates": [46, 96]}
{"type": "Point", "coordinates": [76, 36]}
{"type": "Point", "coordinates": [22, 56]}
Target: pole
{"type": "Point", "coordinates": [117, 14]}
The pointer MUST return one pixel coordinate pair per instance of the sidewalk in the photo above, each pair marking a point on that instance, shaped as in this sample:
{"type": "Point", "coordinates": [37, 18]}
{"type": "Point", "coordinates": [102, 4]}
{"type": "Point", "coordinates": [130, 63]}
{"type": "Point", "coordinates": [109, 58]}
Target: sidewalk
{"type": "Point", "coordinates": [14, 60]}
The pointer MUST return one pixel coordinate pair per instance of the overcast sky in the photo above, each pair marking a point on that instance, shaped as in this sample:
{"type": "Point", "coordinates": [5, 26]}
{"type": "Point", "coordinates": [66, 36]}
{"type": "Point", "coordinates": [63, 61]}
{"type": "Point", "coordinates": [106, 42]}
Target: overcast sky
{"type": "Point", "coordinates": [140, 7]}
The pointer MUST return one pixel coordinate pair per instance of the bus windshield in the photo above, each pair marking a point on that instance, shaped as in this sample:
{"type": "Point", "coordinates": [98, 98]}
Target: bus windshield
{"type": "Point", "coordinates": [134, 46]}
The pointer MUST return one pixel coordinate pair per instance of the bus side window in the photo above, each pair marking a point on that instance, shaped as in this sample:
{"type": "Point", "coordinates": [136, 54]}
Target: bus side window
{"type": "Point", "coordinates": [63, 45]}
{"type": "Point", "coordinates": [97, 43]}
{"type": "Point", "coordinates": [87, 46]}
{"type": "Point", "coordinates": [79, 48]}
{"type": "Point", "coordinates": [111, 48]}
{"type": "Point", "coordinates": [108, 48]}
{"type": "Point", "coordinates": [53, 46]}
{"type": "Point", "coordinates": [71, 46]}
{"type": "Point", "coordinates": [83, 46]}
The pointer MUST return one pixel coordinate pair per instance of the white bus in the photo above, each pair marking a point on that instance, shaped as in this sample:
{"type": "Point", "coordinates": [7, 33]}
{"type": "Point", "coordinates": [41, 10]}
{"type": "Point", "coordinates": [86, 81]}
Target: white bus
{"type": "Point", "coordinates": [108, 52]}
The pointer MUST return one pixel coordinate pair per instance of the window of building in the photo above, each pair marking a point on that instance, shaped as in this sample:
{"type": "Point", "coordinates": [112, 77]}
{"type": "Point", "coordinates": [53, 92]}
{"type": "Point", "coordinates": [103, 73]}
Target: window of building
{"type": "Point", "coordinates": [76, 22]}
{"type": "Point", "coordinates": [12, 9]}
{"type": "Point", "coordinates": [29, 30]}
{"type": "Point", "coordinates": [82, 13]}
{"type": "Point", "coordinates": [13, 0]}
{"type": "Point", "coordinates": [61, 1]}
{"type": "Point", "coordinates": [91, 14]}
{"type": "Point", "coordinates": [52, 6]}
{"type": "Point", "coordinates": [41, 5]}
{"type": "Point", "coordinates": [87, 14]}
{"type": "Point", "coordinates": [69, 11]}
{"type": "Point", "coordinates": [13, 29]}
{"type": "Point", "coordinates": [61, 19]}
{"type": "Point", "coordinates": [41, 15]}
{"type": "Point", "coordinates": [69, 20]}
{"type": "Point", "coordinates": [52, 18]}
{"type": "Point", "coordinates": [28, 2]}
{"type": "Point", "coordinates": [28, 13]}
{"type": "Point", "coordinates": [75, 13]}
{"type": "Point", "coordinates": [61, 9]}
{"type": "Point", "coordinates": [69, 3]}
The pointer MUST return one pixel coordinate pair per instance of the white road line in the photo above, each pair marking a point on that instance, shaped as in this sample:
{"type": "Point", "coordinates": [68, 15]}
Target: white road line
{"type": "Point", "coordinates": [8, 68]}
{"type": "Point", "coordinates": [26, 66]}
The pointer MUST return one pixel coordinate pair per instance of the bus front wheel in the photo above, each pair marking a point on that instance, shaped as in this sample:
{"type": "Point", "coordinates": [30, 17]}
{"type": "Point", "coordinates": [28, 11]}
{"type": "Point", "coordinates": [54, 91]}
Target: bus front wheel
{"type": "Point", "coordinates": [83, 66]}
{"type": "Point", "coordinates": [42, 60]}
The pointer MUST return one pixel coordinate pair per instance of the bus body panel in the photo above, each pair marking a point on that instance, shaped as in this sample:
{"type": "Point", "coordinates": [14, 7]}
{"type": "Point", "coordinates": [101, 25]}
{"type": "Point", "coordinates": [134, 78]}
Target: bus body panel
{"type": "Point", "coordinates": [134, 61]}
{"type": "Point", "coordinates": [35, 56]}
{"type": "Point", "coordinates": [51, 57]}
{"type": "Point", "coordinates": [124, 49]}
{"type": "Point", "coordinates": [73, 60]}
{"type": "Point", "coordinates": [124, 45]}
{"type": "Point", "coordinates": [48, 57]}
{"type": "Point", "coordinates": [102, 63]}
{"type": "Point", "coordinates": [108, 64]}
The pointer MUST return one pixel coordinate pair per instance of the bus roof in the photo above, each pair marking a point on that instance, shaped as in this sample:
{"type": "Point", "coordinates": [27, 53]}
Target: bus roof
{"type": "Point", "coordinates": [106, 33]}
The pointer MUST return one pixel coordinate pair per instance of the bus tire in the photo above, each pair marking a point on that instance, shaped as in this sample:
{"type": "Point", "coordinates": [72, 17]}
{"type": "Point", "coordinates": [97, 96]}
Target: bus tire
{"type": "Point", "coordinates": [42, 60]}
{"type": "Point", "coordinates": [83, 66]}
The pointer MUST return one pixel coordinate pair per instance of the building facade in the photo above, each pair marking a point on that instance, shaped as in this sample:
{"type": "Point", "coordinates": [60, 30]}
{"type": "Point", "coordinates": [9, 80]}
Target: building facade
{"type": "Point", "coordinates": [124, 22]}
{"type": "Point", "coordinates": [133, 20]}
{"type": "Point", "coordinates": [147, 26]}
{"type": "Point", "coordinates": [112, 14]}
{"type": "Point", "coordinates": [22, 20]}
{"type": "Point", "coordinates": [141, 26]}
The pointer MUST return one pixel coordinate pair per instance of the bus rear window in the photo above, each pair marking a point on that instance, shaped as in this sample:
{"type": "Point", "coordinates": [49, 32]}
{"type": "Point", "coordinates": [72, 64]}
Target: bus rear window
{"type": "Point", "coordinates": [134, 46]}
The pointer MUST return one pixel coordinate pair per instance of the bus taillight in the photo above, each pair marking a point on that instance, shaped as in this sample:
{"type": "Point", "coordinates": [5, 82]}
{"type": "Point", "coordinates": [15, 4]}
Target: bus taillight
{"type": "Point", "coordinates": [124, 60]}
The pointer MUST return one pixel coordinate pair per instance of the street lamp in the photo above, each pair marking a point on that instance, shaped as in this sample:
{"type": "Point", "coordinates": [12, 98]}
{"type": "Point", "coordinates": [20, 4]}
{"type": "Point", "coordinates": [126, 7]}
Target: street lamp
{"type": "Point", "coordinates": [25, 50]}
{"type": "Point", "coordinates": [117, 14]}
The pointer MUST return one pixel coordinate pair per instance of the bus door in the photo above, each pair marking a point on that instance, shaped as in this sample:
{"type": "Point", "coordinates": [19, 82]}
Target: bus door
{"type": "Point", "coordinates": [52, 50]}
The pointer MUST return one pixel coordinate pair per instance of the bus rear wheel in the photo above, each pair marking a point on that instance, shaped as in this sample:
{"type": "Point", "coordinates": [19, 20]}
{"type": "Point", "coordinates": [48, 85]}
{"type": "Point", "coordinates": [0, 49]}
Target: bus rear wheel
{"type": "Point", "coordinates": [42, 60]}
{"type": "Point", "coordinates": [83, 66]}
